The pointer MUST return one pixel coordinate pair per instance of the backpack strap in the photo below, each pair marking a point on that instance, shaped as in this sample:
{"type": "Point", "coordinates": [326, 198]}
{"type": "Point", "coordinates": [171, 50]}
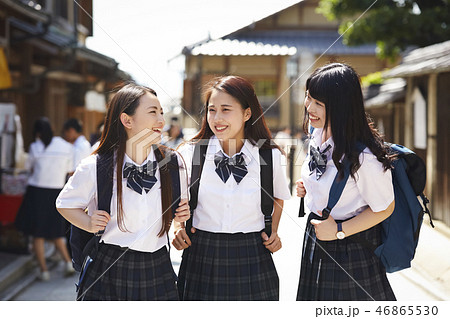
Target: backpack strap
{"type": "Point", "coordinates": [339, 184]}
{"type": "Point", "coordinates": [198, 161]}
{"type": "Point", "coordinates": [301, 210]}
{"type": "Point", "coordinates": [172, 165]}
{"type": "Point", "coordinates": [266, 180]}
{"type": "Point", "coordinates": [104, 183]}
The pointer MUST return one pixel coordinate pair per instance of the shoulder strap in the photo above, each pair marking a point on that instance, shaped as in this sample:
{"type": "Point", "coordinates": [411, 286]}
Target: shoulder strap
{"type": "Point", "coordinates": [198, 160]}
{"type": "Point", "coordinates": [339, 184]}
{"type": "Point", "coordinates": [266, 180]}
{"type": "Point", "coordinates": [105, 171]}
{"type": "Point", "coordinates": [174, 172]}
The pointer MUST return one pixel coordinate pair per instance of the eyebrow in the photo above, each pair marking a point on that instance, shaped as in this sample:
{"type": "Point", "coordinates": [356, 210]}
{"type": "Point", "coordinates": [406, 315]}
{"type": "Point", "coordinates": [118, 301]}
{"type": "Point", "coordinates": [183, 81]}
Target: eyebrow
{"type": "Point", "coordinates": [227, 105]}
{"type": "Point", "coordinates": [152, 107]}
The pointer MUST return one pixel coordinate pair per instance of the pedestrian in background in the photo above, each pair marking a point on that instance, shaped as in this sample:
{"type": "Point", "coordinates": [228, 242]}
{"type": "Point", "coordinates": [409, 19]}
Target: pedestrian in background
{"type": "Point", "coordinates": [50, 160]}
{"type": "Point", "coordinates": [174, 135]}
{"type": "Point", "coordinates": [335, 266]}
{"type": "Point", "coordinates": [229, 256]}
{"type": "Point", "coordinates": [73, 133]}
{"type": "Point", "coordinates": [132, 262]}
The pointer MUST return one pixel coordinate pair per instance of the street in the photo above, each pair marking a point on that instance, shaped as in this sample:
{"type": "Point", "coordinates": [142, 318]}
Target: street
{"type": "Point", "coordinates": [287, 261]}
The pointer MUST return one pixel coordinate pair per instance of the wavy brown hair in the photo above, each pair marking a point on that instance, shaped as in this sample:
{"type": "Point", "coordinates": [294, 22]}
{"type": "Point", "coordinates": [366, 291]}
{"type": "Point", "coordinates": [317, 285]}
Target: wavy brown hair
{"type": "Point", "coordinates": [113, 141]}
{"type": "Point", "coordinates": [255, 129]}
{"type": "Point", "coordinates": [337, 85]}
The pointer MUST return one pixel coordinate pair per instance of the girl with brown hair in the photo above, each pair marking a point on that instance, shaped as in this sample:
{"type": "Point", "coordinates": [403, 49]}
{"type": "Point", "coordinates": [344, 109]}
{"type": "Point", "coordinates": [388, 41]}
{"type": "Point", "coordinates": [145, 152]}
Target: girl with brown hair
{"type": "Point", "coordinates": [228, 254]}
{"type": "Point", "coordinates": [132, 261]}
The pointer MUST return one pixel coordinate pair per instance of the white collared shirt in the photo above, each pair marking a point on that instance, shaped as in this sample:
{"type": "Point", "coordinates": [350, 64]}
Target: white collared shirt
{"type": "Point", "coordinates": [50, 165]}
{"type": "Point", "coordinates": [372, 188]}
{"type": "Point", "coordinates": [142, 212]}
{"type": "Point", "coordinates": [230, 207]}
{"type": "Point", "coordinates": [82, 149]}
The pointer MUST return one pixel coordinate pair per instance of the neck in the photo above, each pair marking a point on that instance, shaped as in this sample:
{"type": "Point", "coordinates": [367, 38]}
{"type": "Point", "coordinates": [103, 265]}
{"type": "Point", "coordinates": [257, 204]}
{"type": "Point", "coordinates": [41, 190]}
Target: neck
{"type": "Point", "coordinates": [138, 153]}
{"type": "Point", "coordinates": [326, 134]}
{"type": "Point", "coordinates": [231, 147]}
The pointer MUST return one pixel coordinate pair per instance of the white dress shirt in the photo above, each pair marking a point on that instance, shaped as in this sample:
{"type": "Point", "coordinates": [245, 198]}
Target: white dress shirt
{"type": "Point", "coordinates": [142, 212]}
{"type": "Point", "coordinates": [230, 207]}
{"type": "Point", "coordinates": [82, 149]}
{"type": "Point", "coordinates": [49, 165]}
{"type": "Point", "coordinates": [372, 188]}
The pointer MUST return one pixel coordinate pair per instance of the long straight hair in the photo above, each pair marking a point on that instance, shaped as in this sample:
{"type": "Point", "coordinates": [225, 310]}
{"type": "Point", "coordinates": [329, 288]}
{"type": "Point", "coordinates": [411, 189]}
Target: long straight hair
{"type": "Point", "coordinates": [43, 129]}
{"type": "Point", "coordinates": [114, 139]}
{"type": "Point", "coordinates": [337, 85]}
{"type": "Point", "coordinates": [255, 129]}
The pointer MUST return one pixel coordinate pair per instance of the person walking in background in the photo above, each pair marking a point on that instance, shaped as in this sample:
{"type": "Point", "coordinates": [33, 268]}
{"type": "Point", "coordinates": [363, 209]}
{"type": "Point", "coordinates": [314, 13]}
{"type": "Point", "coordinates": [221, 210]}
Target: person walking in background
{"type": "Point", "coordinates": [132, 262]}
{"type": "Point", "coordinates": [50, 161]}
{"type": "Point", "coordinates": [72, 131]}
{"type": "Point", "coordinates": [174, 135]}
{"type": "Point", "coordinates": [229, 253]}
{"type": "Point", "coordinates": [334, 265]}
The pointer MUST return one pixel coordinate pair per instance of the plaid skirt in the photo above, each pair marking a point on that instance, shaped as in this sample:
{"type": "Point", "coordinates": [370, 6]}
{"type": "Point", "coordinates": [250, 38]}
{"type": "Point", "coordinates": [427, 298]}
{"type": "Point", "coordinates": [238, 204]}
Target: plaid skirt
{"type": "Point", "coordinates": [222, 266]}
{"type": "Point", "coordinates": [346, 271]}
{"type": "Point", "coordinates": [37, 215]}
{"type": "Point", "coordinates": [133, 275]}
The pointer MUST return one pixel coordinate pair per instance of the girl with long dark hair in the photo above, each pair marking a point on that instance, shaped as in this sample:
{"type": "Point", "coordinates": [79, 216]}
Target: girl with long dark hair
{"type": "Point", "coordinates": [229, 254]}
{"type": "Point", "coordinates": [132, 261]}
{"type": "Point", "coordinates": [336, 265]}
{"type": "Point", "coordinates": [50, 159]}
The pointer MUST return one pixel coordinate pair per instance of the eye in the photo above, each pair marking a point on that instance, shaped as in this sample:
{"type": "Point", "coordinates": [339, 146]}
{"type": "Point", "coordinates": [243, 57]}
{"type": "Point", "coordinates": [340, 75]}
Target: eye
{"type": "Point", "coordinates": [226, 109]}
{"type": "Point", "coordinates": [211, 110]}
{"type": "Point", "coordinates": [152, 112]}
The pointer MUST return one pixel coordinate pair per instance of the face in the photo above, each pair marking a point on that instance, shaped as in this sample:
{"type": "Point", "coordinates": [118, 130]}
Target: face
{"type": "Point", "coordinates": [70, 135]}
{"type": "Point", "coordinates": [316, 111]}
{"type": "Point", "coordinates": [148, 119]}
{"type": "Point", "coordinates": [226, 118]}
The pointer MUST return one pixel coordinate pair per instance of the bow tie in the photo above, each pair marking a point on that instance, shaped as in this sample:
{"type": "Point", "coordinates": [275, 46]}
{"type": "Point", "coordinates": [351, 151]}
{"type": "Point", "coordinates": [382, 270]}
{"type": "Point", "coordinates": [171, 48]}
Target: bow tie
{"type": "Point", "coordinates": [140, 177]}
{"type": "Point", "coordinates": [226, 166]}
{"type": "Point", "coordinates": [318, 161]}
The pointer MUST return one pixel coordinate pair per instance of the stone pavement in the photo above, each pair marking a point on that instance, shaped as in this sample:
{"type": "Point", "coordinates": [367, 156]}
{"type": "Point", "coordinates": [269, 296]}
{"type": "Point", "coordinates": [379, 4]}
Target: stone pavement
{"type": "Point", "coordinates": [427, 280]}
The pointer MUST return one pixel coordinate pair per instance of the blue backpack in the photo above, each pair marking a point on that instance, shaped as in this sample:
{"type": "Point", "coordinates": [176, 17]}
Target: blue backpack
{"type": "Point", "coordinates": [400, 231]}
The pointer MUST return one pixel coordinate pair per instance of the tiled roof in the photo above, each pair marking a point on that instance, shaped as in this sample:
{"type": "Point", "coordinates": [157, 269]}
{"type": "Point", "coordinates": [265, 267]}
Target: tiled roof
{"type": "Point", "coordinates": [430, 59]}
{"type": "Point", "coordinates": [280, 42]}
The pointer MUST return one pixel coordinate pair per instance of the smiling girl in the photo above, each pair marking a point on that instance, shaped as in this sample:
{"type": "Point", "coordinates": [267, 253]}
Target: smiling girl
{"type": "Point", "coordinates": [132, 262]}
{"type": "Point", "coordinates": [229, 253]}
{"type": "Point", "coordinates": [335, 265]}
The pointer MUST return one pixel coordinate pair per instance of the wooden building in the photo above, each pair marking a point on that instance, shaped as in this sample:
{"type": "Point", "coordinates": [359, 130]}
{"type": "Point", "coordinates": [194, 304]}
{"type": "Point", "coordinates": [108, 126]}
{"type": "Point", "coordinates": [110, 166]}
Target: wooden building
{"type": "Point", "coordinates": [49, 67]}
{"type": "Point", "coordinates": [277, 53]}
{"type": "Point", "coordinates": [419, 117]}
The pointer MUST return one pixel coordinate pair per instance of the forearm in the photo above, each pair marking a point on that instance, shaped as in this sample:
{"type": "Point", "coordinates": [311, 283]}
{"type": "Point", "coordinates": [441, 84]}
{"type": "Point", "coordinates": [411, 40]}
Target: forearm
{"type": "Point", "coordinates": [366, 220]}
{"type": "Point", "coordinates": [77, 217]}
{"type": "Point", "coordinates": [276, 216]}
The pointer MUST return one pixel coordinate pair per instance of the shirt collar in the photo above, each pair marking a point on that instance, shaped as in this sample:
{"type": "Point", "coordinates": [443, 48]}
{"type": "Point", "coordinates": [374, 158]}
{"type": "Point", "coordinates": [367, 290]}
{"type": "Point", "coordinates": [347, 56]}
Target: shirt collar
{"type": "Point", "coordinates": [248, 150]}
{"type": "Point", "coordinates": [316, 140]}
{"type": "Point", "coordinates": [150, 157]}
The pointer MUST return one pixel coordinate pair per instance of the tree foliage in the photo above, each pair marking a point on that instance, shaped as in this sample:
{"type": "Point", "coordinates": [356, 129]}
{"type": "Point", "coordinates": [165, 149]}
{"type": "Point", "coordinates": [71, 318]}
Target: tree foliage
{"type": "Point", "coordinates": [393, 25]}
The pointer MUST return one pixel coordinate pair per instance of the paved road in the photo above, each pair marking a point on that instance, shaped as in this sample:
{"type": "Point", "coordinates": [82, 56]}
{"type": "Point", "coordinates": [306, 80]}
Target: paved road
{"type": "Point", "coordinates": [287, 261]}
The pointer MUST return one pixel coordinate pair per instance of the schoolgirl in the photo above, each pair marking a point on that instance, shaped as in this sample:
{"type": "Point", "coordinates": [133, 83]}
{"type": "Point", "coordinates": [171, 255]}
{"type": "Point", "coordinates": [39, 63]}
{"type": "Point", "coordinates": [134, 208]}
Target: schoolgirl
{"type": "Point", "coordinates": [50, 159]}
{"type": "Point", "coordinates": [229, 256]}
{"type": "Point", "coordinates": [336, 265]}
{"type": "Point", "coordinates": [132, 261]}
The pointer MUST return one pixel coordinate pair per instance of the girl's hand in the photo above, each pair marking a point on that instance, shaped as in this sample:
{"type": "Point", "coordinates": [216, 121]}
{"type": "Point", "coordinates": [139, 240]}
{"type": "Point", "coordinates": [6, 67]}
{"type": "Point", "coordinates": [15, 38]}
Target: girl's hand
{"type": "Point", "coordinates": [98, 221]}
{"type": "Point", "coordinates": [181, 239]}
{"type": "Point", "coordinates": [182, 212]}
{"type": "Point", "coordinates": [273, 243]}
{"type": "Point", "coordinates": [301, 190]}
{"type": "Point", "coordinates": [325, 229]}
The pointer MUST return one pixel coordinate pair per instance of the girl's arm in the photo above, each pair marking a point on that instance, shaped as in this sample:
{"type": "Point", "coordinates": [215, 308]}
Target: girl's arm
{"type": "Point", "coordinates": [326, 229]}
{"type": "Point", "coordinates": [273, 243]}
{"type": "Point", "coordinates": [78, 218]}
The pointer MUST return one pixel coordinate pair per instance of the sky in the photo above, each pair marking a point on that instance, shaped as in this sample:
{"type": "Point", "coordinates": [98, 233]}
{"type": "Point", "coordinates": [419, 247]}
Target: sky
{"type": "Point", "coordinates": [143, 35]}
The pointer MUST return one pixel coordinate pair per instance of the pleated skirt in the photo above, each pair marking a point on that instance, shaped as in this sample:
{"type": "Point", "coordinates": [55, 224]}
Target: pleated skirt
{"type": "Point", "coordinates": [119, 274]}
{"type": "Point", "coordinates": [342, 270]}
{"type": "Point", "coordinates": [221, 266]}
{"type": "Point", "coordinates": [37, 215]}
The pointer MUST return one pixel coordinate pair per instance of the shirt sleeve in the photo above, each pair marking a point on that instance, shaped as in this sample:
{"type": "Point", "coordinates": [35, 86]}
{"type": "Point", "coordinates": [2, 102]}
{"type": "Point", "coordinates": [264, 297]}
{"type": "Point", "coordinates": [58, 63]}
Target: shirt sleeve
{"type": "Point", "coordinates": [280, 184]}
{"type": "Point", "coordinates": [374, 184]}
{"type": "Point", "coordinates": [81, 188]}
{"type": "Point", "coordinates": [31, 157]}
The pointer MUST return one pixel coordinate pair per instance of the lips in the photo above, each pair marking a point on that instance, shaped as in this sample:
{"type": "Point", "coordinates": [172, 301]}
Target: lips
{"type": "Point", "coordinates": [312, 117]}
{"type": "Point", "coordinates": [220, 128]}
{"type": "Point", "coordinates": [157, 130]}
